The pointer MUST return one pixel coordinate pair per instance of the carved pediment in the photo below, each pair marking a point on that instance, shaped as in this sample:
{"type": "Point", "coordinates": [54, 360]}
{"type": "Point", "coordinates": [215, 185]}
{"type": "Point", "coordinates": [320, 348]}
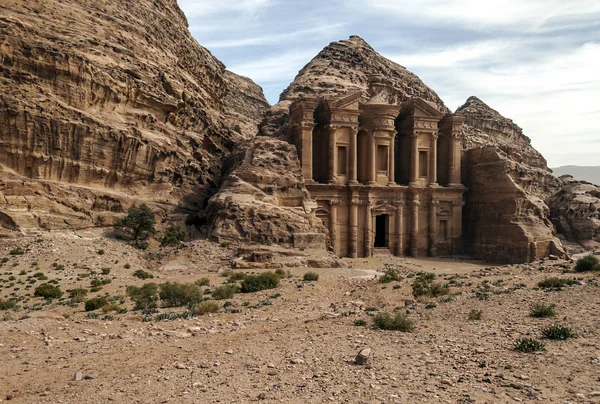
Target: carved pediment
{"type": "Point", "coordinates": [383, 209]}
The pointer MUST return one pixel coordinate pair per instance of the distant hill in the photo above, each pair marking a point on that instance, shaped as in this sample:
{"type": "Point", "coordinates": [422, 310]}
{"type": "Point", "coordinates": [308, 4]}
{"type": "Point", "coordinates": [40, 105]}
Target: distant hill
{"type": "Point", "coordinates": [590, 173]}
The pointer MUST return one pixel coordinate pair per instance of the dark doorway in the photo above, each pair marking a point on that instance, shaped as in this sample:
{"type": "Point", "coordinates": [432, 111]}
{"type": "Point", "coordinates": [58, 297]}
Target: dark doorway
{"type": "Point", "coordinates": [381, 224]}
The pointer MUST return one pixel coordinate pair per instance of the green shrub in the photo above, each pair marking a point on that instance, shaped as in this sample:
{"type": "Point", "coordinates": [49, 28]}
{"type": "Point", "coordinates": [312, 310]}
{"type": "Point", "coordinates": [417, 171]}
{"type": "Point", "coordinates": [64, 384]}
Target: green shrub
{"type": "Point", "coordinates": [206, 307]}
{"type": "Point", "coordinates": [174, 294]}
{"type": "Point", "coordinates": [529, 345]}
{"type": "Point", "coordinates": [423, 286]}
{"type": "Point", "coordinates": [475, 315]}
{"type": "Point", "coordinates": [360, 323]}
{"type": "Point", "coordinates": [138, 224]}
{"type": "Point", "coordinates": [100, 252]}
{"type": "Point", "coordinates": [542, 310]}
{"type": "Point", "coordinates": [140, 273]}
{"type": "Point", "coordinates": [255, 283]}
{"type": "Point", "coordinates": [7, 304]}
{"type": "Point", "coordinates": [111, 307]}
{"type": "Point", "coordinates": [311, 276]}
{"type": "Point", "coordinates": [587, 263]}
{"type": "Point", "coordinates": [236, 276]}
{"type": "Point", "coordinates": [558, 332]}
{"type": "Point", "coordinates": [202, 282]}
{"type": "Point", "coordinates": [173, 236]}
{"type": "Point", "coordinates": [127, 266]}
{"type": "Point", "coordinates": [48, 291]}
{"type": "Point", "coordinates": [144, 297]}
{"type": "Point", "coordinates": [399, 322]}
{"type": "Point", "coordinates": [555, 283]}
{"type": "Point", "coordinates": [16, 251]}
{"type": "Point", "coordinates": [224, 292]}
{"type": "Point", "coordinates": [78, 295]}
{"type": "Point", "coordinates": [105, 271]}
{"type": "Point", "coordinates": [390, 275]}
{"type": "Point", "coordinates": [95, 303]}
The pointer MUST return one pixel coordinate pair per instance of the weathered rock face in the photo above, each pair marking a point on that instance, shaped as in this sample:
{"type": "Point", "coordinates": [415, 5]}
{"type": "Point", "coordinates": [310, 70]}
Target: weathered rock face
{"type": "Point", "coordinates": [343, 67]}
{"type": "Point", "coordinates": [505, 216]}
{"type": "Point", "coordinates": [575, 211]}
{"type": "Point", "coordinates": [119, 98]}
{"type": "Point", "coordinates": [263, 199]}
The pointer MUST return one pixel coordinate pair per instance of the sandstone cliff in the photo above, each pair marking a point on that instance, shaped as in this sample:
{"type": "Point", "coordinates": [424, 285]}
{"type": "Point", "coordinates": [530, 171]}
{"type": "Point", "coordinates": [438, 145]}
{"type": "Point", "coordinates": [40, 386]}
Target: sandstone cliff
{"type": "Point", "coordinates": [575, 210]}
{"type": "Point", "coordinates": [263, 199]}
{"type": "Point", "coordinates": [115, 98]}
{"type": "Point", "coordinates": [343, 67]}
{"type": "Point", "coordinates": [505, 216]}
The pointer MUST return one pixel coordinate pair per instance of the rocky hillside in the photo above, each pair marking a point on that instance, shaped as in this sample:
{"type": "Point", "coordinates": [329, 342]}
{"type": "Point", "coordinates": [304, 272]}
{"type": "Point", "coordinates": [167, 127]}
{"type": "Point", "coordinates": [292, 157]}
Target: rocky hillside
{"type": "Point", "coordinates": [263, 199]}
{"type": "Point", "coordinates": [584, 173]}
{"type": "Point", "coordinates": [343, 67]}
{"type": "Point", "coordinates": [575, 210]}
{"type": "Point", "coordinates": [115, 101]}
{"type": "Point", "coordinates": [508, 181]}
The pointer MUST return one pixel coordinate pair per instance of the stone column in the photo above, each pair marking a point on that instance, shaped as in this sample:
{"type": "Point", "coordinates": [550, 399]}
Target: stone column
{"type": "Point", "coordinates": [369, 230]}
{"type": "Point", "coordinates": [371, 157]}
{"type": "Point", "coordinates": [456, 225]}
{"type": "Point", "coordinates": [333, 236]}
{"type": "Point", "coordinates": [332, 155]}
{"type": "Point", "coordinates": [414, 231]}
{"type": "Point", "coordinates": [353, 230]}
{"type": "Point", "coordinates": [414, 159]}
{"type": "Point", "coordinates": [353, 166]}
{"type": "Point", "coordinates": [399, 235]}
{"type": "Point", "coordinates": [454, 161]}
{"type": "Point", "coordinates": [433, 161]}
{"type": "Point", "coordinates": [433, 228]}
{"type": "Point", "coordinates": [305, 149]}
{"type": "Point", "coordinates": [391, 161]}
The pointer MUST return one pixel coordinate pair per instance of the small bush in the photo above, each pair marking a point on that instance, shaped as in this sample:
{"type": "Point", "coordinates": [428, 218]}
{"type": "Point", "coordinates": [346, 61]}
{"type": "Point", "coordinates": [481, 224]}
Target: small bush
{"type": "Point", "coordinates": [127, 266]}
{"type": "Point", "coordinates": [224, 292]}
{"type": "Point", "coordinates": [206, 307]}
{"type": "Point", "coordinates": [7, 304]}
{"type": "Point", "coordinates": [16, 251]}
{"type": "Point", "coordinates": [255, 283]}
{"type": "Point", "coordinates": [173, 236]}
{"type": "Point", "coordinates": [390, 275]}
{"type": "Point", "coordinates": [202, 282]}
{"type": "Point", "coordinates": [311, 276]}
{"type": "Point", "coordinates": [555, 283]}
{"type": "Point", "coordinates": [105, 271]}
{"type": "Point", "coordinates": [529, 345]}
{"type": "Point", "coordinates": [138, 224]}
{"type": "Point", "coordinates": [399, 322]}
{"type": "Point", "coordinates": [100, 252]}
{"type": "Point", "coordinates": [179, 294]}
{"type": "Point", "coordinates": [95, 303]}
{"type": "Point", "coordinates": [140, 273]}
{"type": "Point", "coordinates": [423, 286]}
{"type": "Point", "coordinates": [78, 295]}
{"type": "Point", "coordinates": [475, 315]}
{"type": "Point", "coordinates": [360, 323]}
{"type": "Point", "coordinates": [48, 291]}
{"type": "Point", "coordinates": [587, 263]}
{"type": "Point", "coordinates": [558, 332]}
{"type": "Point", "coordinates": [236, 276]}
{"type": "Point", "coordinates": [145, 297]}
{"type": "Point", "coordinates": [542, 310]}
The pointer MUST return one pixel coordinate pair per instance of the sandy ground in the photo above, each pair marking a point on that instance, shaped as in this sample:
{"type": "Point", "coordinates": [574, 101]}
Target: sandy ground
{"type": "Point", "coordinates": [293, 344]}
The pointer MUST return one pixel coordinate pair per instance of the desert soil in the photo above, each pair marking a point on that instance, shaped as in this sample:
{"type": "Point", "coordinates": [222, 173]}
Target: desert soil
{"type": "Point", "coordinates": [293, 344]}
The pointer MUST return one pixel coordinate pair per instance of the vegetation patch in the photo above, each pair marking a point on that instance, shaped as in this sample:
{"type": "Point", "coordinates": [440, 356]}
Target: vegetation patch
{"type": "Point", "coordinates": [224, 292]}
{"type": "Point", "coordinates": [390, 275]}
{"type": "Point", "coordinates": [141, 274]}
{"type": "Point", "coordinates": [528, 345]}
{"type": "Point", "coordinates": [48, 291]}
{"type": "Point", "coordinates": [423, 285]}
{"type": "Point", "coordinates": [558, 332]}
{"type": "Point", "coordinates": [310, 276]}
{"type": "Point", "coordinates": [95, 303]}
{"type": "Point", "coordinates": [542, 310]}
{"type": "Point", "coordinates": [475, 315]}
{"type": "Point", "coordinates": [206, 307]}
{"type": "Point", "coordinates": [587, 263]}
{"type": "Point", "coordinates": [174, 294]}
{"type": "Point", "coordinates": [173, 236]}
{"type": "Point", "coordinates": [255, 283]}
{"type": "Point", "coordinates": [398, 322]}
{"type": "Point", "coordinates": [138, 225]}
{"type": "Point", "coordinates": [556, 283]}
{"type": "Point", "coordinates": [144, 297]}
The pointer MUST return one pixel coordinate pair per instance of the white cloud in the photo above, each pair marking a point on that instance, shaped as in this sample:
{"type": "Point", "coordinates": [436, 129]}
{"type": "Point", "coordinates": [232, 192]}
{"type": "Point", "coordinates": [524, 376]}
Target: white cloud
{"type": "Point", "coordinates": [517, 14]}
{"type": "Point", "coordinates": [275, 68]}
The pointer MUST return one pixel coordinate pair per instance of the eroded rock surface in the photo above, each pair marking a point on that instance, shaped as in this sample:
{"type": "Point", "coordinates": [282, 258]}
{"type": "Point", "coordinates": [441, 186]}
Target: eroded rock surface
{"type": "Point", "coordinates": [263, 199]}
{"type": "Point", "coordinates": [117, 97]}
{"type": "Point", "coordinates": [575, 210]}
{"type": "Point", "coordinates": [506, 218]}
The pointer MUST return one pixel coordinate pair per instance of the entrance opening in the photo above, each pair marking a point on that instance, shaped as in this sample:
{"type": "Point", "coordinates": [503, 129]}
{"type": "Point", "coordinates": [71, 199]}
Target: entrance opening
{"type": "Point", "coordinates": [381, 231]}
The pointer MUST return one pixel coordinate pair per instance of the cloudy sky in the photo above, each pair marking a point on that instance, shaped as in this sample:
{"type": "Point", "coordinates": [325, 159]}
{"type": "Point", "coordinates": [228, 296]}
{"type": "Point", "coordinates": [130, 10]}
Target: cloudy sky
{"type": "Point", "coordinates": [535, 61]}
